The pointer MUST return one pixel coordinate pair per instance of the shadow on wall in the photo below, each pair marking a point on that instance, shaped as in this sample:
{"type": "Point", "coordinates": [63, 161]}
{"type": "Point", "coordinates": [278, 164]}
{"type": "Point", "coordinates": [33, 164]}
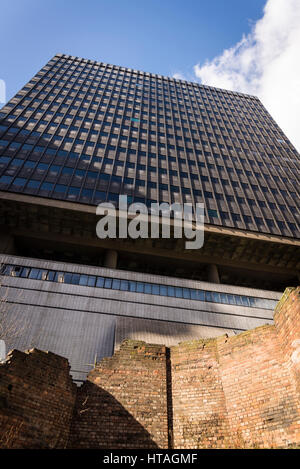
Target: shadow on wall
{"type": "Point", "coordinates": [163, 332]}
{"type": "Point", "coordinates": [101, 422]}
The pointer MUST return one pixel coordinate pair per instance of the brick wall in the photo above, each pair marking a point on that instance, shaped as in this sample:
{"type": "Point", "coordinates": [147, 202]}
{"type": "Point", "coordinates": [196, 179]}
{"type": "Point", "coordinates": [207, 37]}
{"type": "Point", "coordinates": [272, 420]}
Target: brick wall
{"type": "Point", "coordinates": [199, 409]}
{"type": "Point", "coordinates": [287, 323]}
{"type": "Point", "coordinates": [37, 397]}
{"type": "Point", "coordinates": [228, 392]}
{"type": "Point", "coordinates": [240, 391]}
{"type": "Point", "coordinates": [123, 403]}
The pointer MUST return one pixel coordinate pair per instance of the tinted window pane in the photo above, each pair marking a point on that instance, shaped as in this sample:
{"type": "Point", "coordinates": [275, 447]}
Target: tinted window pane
{"type": "Point", "coordinates": [34, 273]}
{"type": "Point", "coordinates": [178, 292]}
{"type": "Point", "coordinates": [68, 278]}
{"type": "Point", "coordinates": [100, 282]}
{"type": "Point", "coordinates": [132, 286]}
{"type": "Point", "coordinates": [140, 287]}
{"type": "Point", "coordinates": [75, 279]}
{"type": "Point", "coordinates": [124, 285]}
{"type": "Point", "coordinates": [51, 276]}
{"type": "Point", "coordinates": [107, 283]}
{"type": "Point", "coordinates": [91, 281]}
{"type": "Point", "coordinates": [116, 284]}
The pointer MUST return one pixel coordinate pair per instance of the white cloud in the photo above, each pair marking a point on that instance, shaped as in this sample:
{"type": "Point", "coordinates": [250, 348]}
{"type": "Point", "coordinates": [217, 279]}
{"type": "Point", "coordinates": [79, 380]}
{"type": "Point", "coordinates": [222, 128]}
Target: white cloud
{"type": "Point", "coordinates": [2, 92]}
{"type": "Point", "coordinates": [178, 76]}
{"type": "Point", "coordinates": [266, 63]}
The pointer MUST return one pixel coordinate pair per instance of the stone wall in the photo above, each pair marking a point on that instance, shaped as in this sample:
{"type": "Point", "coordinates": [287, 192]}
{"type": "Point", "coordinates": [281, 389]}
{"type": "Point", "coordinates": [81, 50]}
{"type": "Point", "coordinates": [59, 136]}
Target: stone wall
{"type": "Point", "coordinates": [37, 398]}
{"type": "Point", "coordinates": [228, 392]}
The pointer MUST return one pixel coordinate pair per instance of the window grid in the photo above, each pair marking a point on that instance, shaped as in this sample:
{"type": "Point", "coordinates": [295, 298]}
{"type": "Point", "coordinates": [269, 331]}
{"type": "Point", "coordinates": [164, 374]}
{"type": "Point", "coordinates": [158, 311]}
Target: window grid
{"type": "Point", "coordinates": [227, 143]}
{"type": "Point", "coordinates": [136, 286]}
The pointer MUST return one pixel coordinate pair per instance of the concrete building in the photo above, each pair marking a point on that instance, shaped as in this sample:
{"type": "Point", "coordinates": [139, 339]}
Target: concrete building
{"type": "Point", "coordinates": [83, 132]}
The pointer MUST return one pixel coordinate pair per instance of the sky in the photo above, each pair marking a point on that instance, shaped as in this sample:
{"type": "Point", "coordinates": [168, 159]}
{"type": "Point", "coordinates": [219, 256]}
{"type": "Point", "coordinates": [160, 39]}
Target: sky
{"type": "Point", "coordinates": [250, 46]}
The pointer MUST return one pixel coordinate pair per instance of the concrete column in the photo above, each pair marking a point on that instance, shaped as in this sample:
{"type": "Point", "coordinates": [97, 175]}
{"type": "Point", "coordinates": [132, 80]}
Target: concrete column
{"type": "Point", "coordinates": [213, 273]}
{"type": "Point", "coordinates": [6, 244]}
{"type": "Point", "coordinates": [111, 259]}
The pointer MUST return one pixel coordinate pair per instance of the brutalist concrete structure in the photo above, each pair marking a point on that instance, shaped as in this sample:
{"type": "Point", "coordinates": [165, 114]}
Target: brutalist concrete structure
{"type": "Point", "coordinates": [84, 132]}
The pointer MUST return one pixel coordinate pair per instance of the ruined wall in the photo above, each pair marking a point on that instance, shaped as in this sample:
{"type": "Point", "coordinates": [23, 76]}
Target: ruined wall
{"type": "Point", "coordinates": [228, 392]}
{"type": "Point", "coordinates": [123, 403]}
{"type": "Point", "coordinates": [240, 391]}
{"type": "Point", "coordinates": [287, 322]}
{"type": "Point", "coordinates": [37, 398]}
{"type": "Point", "coordinates": [199, 407]}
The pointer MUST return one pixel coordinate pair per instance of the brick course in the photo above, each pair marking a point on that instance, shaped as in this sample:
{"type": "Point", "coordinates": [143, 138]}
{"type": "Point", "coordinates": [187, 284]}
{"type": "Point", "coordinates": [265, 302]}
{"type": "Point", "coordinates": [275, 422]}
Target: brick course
{"type": "Point", "coordinates": [228, 392]}
{"type": "Point", "coordinates": [37, 398]}
{"type": "Point", "coordinates": [123, 403]}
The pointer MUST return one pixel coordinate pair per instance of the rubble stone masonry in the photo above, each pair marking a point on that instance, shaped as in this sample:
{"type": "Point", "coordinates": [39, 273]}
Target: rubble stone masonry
{"type": "Point", "coordinates": [228, 392]}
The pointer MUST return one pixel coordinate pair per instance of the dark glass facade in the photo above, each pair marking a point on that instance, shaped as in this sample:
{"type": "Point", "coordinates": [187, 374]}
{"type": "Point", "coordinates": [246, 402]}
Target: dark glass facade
{"type": "Point", "coordinates": [85, 132]}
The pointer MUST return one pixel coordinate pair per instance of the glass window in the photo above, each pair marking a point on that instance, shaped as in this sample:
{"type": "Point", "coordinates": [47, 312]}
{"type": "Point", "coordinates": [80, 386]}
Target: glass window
{"type": "Point", "coordinates": [238, 300]}
{"type": "Point", "coordinates": [124, 285]}
{"type": "Point", "coordinates": [245, 301]}
{"type": "Point", "coordinates": [107, 283]}
{"type": "Point", "coordinates": [68, 278]}
{"type": "Point", "coordinates": [100, 282]}
{"type": "Point", "coordinates": [46, 186]}
{"type": "Point", "coordinates": [25, 272]}
{"type": "Point", "coordinates": [208, 296]}
{"type": "Point", "coordinates": [75, 279]}
{"type": "Point", "coordinates": [83, 280]}
{"type": "Point", "coordinates": [140, 287]}
{"type": "Point", "coordinates": [231, 299]}
{"type": "Point", "coordinates": [34, 273]}
{"type": "Point", "coordinates": [16, 271]}
{"type": "Point", "coordinates": [19, 182]}
{"type": "Point", "coordinates": [59, 188]}
{"type": "Point", "coordinates": [51, 275]}
{"type": "Point", "coordinates": [91, 280]}
{"type": "Point", "coordinates": [5, 179]}
{"type": "Point", "coordinates": [42, 274]}
{"type": "Point", "coordinates": [59, 277]}
{"type": "Point", "coordinates": [223, 298]}
{"type": "Point", "coordinates": [216, 297]}
{"type": "Point", "coordinates": [116, 283]}
{"type": "Point", "coordinates": [132, 286]}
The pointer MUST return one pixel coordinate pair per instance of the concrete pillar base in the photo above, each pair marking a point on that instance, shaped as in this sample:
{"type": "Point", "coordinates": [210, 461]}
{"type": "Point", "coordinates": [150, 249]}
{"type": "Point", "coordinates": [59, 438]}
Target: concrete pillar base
{"type": "Point", "coordinates": [213, 274]}
{"type": "Point", "coordinates": [111, 259]}
{"type": "Point", "coordinates": [6, 244]}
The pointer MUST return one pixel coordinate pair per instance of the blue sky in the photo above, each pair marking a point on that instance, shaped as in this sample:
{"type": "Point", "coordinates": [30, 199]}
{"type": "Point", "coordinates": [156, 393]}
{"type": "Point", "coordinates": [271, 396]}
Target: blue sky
{"type": "Point", "coordinates": [160, 36]}
{"type": "Point", "coordinates": [250, 46]}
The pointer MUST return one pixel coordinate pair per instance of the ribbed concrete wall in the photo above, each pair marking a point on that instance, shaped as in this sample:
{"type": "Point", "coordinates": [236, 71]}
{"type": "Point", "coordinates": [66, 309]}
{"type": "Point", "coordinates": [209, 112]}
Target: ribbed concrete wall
{"type": "Point", "coordinates": [79, 322]}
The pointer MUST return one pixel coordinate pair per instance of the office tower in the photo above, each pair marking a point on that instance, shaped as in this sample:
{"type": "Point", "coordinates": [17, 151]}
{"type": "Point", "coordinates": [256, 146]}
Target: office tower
{"type": "Point", "coordinates": [83, 132]}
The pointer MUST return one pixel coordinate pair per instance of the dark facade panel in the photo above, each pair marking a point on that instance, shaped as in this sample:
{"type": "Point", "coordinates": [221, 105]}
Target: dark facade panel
{"type": "Point", "coordinates": [88, 131]}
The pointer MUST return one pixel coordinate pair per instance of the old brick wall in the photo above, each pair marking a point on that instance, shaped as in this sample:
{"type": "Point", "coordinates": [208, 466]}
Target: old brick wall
{"type": "Point", "coordinates": [123, 403]}
{"type": "Point", "coordinates": [228, 392]}
{"type": "Point", "coordinates": [199, 409]}
{"type": "Point", "coordinates": [37, 398]}
{"type": "Point", "coordinates": [240, 391]}
{"type": "Point", "coordinates": [287, 323]}
{"type": "Point", "coordinates": [262, 406]}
